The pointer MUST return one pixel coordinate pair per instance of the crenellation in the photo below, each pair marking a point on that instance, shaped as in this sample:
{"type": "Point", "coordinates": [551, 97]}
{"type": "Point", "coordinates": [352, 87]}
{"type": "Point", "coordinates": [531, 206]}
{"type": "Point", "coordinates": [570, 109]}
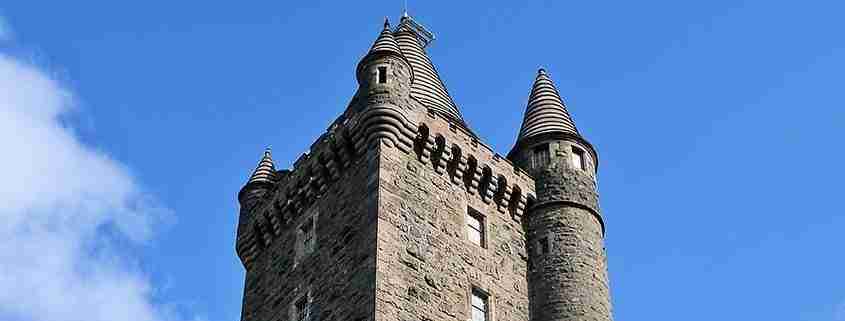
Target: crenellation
{"type": "Point", "coordinates": [457, 165]}
{"type": "Point", "coordinates": [478, 178]}
{"type": "Point", "coordinates": [424, 145]}
{"type": "Point", "coordinates": [469, 144]}
{"type": "Point", "coordinates": [503, 193]}
{"type": "Point", "coordinates": [471, 175]}
{"type": "Point", "coordinates": [441, 154]}
{"type": "Point", "coordinates": [486, 184]}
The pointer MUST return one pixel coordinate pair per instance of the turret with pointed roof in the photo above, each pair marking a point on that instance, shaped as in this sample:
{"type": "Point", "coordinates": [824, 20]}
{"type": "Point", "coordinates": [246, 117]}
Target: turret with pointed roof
{"type": "Point", "coordinates": [546, 117]}
{"type": "Point", "coordinates": [261, 180]}
{"type": "Point", "coordinates": [546, 111]}
{"type": "Point", "coordinates": [566, 223]}
{"type": "Point", "coordinates": [385, 44]}
{"type": "Point", "coordinates": [266, 170]}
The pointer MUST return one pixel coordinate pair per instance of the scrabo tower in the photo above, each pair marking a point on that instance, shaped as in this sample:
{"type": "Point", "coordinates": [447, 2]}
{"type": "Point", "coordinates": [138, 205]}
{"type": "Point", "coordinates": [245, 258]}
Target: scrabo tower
{"type": "Point", "coordinates": [400, 212]}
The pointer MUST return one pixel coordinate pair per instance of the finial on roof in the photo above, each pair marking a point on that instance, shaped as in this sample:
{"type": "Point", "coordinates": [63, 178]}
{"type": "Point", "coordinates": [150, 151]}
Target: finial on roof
{"type": "Point", "coordinates": [386, 23]}
{"type": "Point", "coordinates": [546, 112]}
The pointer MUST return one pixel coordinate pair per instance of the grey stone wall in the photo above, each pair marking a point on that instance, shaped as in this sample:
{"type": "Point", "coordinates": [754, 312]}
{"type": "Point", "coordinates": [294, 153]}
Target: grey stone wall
{"type": "Point", "coordinates": [568, 274]}
{"type": "Point", "coordinates": [426, 267]}
{"type": "Point", "coordinates": [340, 273]}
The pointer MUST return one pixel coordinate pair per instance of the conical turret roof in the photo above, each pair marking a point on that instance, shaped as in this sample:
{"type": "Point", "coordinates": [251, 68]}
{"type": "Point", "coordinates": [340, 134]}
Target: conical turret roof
{"type": "Point", "coordinates": [385, 41]}
{"type": "Point", "coordinates": [427, 86]}
{"type": "Point", "coordinates": [266, 170]}
{"type": "Point", "coordinates": [546, 112]}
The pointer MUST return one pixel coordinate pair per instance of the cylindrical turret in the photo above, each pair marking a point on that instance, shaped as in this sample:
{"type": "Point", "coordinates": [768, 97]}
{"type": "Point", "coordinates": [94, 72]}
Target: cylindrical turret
{"type": "Point", "coordinates": [384, 75]}
{"type": "Point", "coordinates": [567, 277]}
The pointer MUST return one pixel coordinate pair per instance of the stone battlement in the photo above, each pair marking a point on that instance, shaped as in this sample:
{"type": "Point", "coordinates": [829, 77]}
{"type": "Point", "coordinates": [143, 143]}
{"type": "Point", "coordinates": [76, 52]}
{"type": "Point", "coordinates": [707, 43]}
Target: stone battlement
{"type": "Point", "coordinates": [450, 149]}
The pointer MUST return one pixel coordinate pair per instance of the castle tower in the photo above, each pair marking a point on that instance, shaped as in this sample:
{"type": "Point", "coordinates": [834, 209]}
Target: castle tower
{"type": "Point", "coordinates": [564, 229]}
{"type": "Point", "coordinates": [400, 212]}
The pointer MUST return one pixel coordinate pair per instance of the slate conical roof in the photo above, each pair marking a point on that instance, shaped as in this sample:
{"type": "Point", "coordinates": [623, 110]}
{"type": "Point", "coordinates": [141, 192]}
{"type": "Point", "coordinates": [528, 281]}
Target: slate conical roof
{"type": "Point", "coordinates": [546, 112]}
{"type": "Point", "coordinates": [427, 86]}
{"type": "Point", "coordinates": [266, 170]}
{"type": "Point", "coordinates": [385, 41]}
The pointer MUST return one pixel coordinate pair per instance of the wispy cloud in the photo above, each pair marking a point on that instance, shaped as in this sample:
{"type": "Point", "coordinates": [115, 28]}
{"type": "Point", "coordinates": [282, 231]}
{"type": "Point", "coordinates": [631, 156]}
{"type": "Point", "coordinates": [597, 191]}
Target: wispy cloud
{"type": "Point", "coordinates": [68, 212]}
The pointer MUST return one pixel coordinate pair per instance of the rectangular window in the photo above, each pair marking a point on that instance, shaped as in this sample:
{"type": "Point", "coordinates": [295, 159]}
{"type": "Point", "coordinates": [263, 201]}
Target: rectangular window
{"type": "Point", "coordinates": [475, 227]}
{"type": "Point", "coordinates": [578, 158]}
{"type": "Point", "coordinates": [302, 308]}
{"type": "Point", "coordinates": [382, 75]}
{"type": "Point", "coordinates": [479, 309]}
{"type": "Point", "coordinates": [540, 156]}
{"type": "Point", "coordinates": [308, 236]}
{"type": "Point", "coordinates": [306, 239]}
{"type": "Point", "coordinates": [544, 245]}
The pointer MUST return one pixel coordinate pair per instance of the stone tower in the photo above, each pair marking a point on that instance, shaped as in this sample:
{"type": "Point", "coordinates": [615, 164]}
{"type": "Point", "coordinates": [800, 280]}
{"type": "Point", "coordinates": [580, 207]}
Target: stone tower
{"type": "Point", "coordinates": [564, 229]}
{"type": "Point", "coordinates": [400, 212]}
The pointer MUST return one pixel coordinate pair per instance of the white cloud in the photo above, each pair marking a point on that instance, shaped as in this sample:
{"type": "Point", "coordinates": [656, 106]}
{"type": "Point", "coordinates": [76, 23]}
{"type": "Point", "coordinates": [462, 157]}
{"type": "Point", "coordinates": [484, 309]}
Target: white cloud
{"type": "Point", "coordinates": [65, 210]}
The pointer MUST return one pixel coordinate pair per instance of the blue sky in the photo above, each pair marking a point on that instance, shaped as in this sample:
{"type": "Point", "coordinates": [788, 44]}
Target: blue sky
{"type": "Point", "coordinates": [719, 125]}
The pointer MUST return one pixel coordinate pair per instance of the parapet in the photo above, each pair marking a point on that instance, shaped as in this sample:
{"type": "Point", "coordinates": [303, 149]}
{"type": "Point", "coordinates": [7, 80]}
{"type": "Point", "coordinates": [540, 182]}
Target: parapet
{"type": "Point", "coordinates": [448, 147]}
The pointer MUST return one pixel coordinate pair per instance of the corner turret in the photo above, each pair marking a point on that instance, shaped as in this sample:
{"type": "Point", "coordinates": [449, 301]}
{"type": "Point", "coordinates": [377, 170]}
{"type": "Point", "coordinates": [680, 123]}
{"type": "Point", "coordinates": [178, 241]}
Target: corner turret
{"type": "Point", "coordinates": [567, 278]}
{"type": "Point", "coordinates": [260, 182]}
{"type": "Point", "coordinates": [546, 121]}
{"type": "Point", "coordinates": [384, 74]}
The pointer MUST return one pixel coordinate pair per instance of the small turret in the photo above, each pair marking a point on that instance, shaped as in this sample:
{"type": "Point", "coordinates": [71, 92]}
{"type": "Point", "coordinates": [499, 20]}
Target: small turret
{"type": "Point", "coordinates": [384, 74]}
{"type": "Point", "coordinates": [260, 182]}
{"type": "Point", "coordinates": [567, 278]}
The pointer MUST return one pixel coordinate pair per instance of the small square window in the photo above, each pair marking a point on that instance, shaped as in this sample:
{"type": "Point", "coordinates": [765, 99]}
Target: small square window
{"type": "Point", "coordinates": [479, 309]}
{"type": "Point", "coordinates": [382, 75]}
{"type": "Point", "coordinates": [475, 227]}
{"type": "Point", "coordinates": [578, 158]}
{"type": "Point", "coordinates": [540, 156]}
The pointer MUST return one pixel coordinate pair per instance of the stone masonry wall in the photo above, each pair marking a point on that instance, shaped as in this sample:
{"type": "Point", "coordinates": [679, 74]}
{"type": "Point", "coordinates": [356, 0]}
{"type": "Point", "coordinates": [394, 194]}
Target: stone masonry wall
{"type": "Point", "coordinates": [568, 274]}
{"type": "Point", "coordinates": [340, 272]}
{"type": "Point", "coordinates": [426, 267]}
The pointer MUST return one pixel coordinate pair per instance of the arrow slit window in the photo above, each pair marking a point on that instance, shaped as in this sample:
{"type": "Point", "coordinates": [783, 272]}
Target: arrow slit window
{"type": "Point", "coordinates": [382, 75]}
